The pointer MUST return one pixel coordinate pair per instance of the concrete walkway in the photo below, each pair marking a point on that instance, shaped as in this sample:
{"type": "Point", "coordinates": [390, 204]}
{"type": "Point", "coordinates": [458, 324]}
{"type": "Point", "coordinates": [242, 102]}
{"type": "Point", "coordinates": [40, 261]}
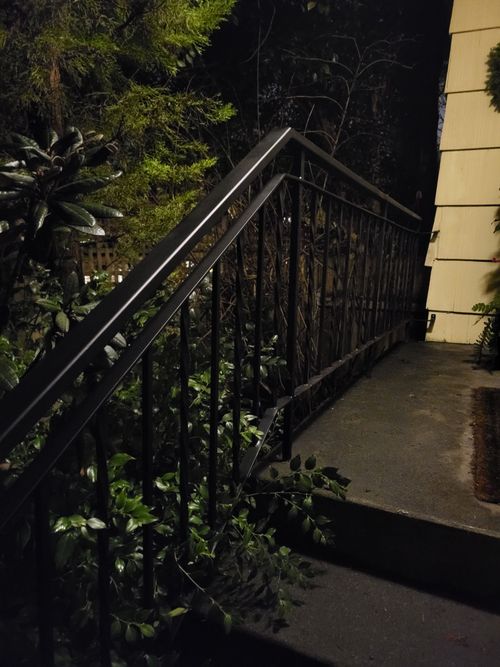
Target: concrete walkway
{"type": "Point", "coordinates": [403, 436]}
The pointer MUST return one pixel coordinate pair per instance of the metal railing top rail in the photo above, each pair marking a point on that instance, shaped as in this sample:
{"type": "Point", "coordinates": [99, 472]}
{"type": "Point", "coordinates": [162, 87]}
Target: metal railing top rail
{"type": "Point", "coordinates": [21, 408]}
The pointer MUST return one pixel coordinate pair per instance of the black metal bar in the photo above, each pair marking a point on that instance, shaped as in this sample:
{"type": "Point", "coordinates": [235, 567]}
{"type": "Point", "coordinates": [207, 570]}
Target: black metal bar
{"type": "Point", "coordinates": [259, 286]}
{"type": "Point", "coordinates": [103, 567]}
{"type": "Point", "coordinates": [147, 476]}
{"type": "Point", "coordinates": [184, 422]}
{"type": "Point", "coordinates": [365, 230]}
{"type": "Point", "coordinates": [311, 266]}
{"type": "Point", "coordinates": [338, 226]}
{"type": "Point", "coordinates": [291, 340]}
{"type": "Point", "coordinates": [345, 289]}
{"type": "Point", "coordinates": [214, 396]}
{"type": "Point", "coordinates": [238, 358]}
{"type": "Point", "coordinates": [324, 277]}
{"type": "Point", "coordinates": [342, 200]}
{"type": "Point", "coordinates": [55, 372]}
{"type": "Point", "coordinates": [44, 576]}
{"type": "Point", "coordinates": [380, 275]}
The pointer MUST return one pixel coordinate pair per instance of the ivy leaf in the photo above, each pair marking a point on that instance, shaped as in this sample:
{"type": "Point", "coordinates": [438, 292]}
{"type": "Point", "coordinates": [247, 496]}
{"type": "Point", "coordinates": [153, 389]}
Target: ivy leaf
{"type": "Point", "coordinates": [178, 611]}
{"type": "Point", "coordinates": [95, 523]}
{"type": "Point", "coordinates": [317, 534]}
{"type": "Point", "coordinates": [8, 374]}
{"type": "Point", "coordinates": [116, 628]}
{"type": "Point", "coordinates": [40, 212]}
{"type": "Point", "coordinates": [146, 630]}
{"type": "Point", "coordinates": [64, 549]}
{"type": "Point", "coordinates": [49, 304]}
{"type": "Point", "coordinates": [310, 463]}
{"type": "Point", "coordinates": [228, 623]}
{"type": "Point", "coordinates": [120, 459]}
{"type": "Point", "coordinates": [131, 634]}
{"type": "Point", "coordinates": [295, 463]}
{"type": "Point", "coordinates": [62, 321]}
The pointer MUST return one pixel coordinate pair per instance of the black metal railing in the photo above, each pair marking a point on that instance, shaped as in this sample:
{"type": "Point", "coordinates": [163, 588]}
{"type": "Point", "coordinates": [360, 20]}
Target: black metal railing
{"type": "Point", "coordinates": [293, 266]}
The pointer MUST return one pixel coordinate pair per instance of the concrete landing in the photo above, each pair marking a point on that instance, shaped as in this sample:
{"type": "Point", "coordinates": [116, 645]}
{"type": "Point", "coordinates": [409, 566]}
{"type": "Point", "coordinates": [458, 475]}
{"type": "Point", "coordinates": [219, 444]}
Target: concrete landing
{"type": "Point", "coordinates": [403, 436]}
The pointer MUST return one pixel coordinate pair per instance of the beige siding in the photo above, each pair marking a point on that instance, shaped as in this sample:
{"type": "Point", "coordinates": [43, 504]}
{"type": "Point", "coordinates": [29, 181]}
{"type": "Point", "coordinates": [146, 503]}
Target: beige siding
{"type": "Point", "coordinates": [454, 328]}
{"type": "Point", "coordinates": [461, 250]}
{"type": "Point", "coordinates": [467, 66]}
{"type": "Point", "coordinates": [475, 15]}
{"type": "Point", "coordinates": [464, 232]}
{"type": "Point", "coordinates": [469, 178]}
{"type": "Point", "coordinates": [458, 130]}
{"type": "Point", "coordinates": [457, 285]}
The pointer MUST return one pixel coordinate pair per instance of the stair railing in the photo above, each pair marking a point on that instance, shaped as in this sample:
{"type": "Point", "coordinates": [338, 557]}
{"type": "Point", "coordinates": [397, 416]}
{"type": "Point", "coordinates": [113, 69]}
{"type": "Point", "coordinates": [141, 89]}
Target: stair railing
{"type": "Point", "coordinates": [292, 252]}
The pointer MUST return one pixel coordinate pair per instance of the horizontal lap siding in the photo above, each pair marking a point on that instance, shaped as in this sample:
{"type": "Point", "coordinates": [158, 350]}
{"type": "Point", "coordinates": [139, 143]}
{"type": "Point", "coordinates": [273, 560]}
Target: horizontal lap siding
{"type": "Point", "coordinates": [463, 245]}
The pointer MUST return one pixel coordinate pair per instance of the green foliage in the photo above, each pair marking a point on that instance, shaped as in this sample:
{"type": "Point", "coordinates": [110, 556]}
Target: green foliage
{"type": "Point", "coordinates": [239, 570]}
{"type": "Point", "coordinates": [493, 76]}
{"type": "Point", "coordinates": [488, 342]}
{"type": "Point", "coordinates": [113, 65]}
{"type": "Point", "coordinates": [44, 187]}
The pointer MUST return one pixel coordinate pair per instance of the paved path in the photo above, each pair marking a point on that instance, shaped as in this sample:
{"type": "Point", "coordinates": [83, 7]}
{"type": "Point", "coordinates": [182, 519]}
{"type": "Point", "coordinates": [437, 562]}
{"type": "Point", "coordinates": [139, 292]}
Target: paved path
{"type": "Point", "coordinates": [403, 435]}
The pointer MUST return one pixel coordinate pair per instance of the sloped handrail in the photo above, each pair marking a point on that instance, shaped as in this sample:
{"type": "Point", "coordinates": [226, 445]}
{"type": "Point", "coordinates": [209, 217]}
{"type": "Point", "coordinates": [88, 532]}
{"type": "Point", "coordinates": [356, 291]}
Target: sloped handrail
{"type": "Point", "coordinates": [29, 401]}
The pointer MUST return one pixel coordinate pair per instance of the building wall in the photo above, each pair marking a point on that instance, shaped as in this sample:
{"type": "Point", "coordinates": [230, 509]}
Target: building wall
{"type": "Point", "coordinates": [463, 244]}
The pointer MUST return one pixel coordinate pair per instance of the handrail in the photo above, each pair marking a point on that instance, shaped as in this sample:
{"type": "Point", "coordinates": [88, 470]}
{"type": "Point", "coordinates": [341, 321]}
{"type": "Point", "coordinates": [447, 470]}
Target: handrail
{"type": "Point", "coordinates": [323, 281]}
{"type": "Point", "coordinates": [22, 407]}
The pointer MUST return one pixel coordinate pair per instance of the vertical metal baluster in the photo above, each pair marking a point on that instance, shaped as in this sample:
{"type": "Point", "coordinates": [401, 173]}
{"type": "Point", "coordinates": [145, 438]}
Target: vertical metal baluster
{"type": "Point", "coordinates": [408, 274]}
{"type": "Point", "coordinates": [103, 571]}
{"type": "Point", "coordinates": [44, 565]}
{"type": "Point", "coordinates": [291, 337]}
{"type": "Point", "coordinates": [238, 354]}
{"type": "Point", "coordinates": [388, 286]}
{"type": "Point", "coordinates": [147, 475]}
{"type": "Point", "coordinates": [278, 282]}
{"type": "Point", "coordinates": [214, 396]}
{"type": "Point", "coordinates": [397, 276]}
{"type": "Point", "coordinates": [409, 282]}
{"type": "Point", "coordinates": [402, 275]}
{"type": "Point", "coordinates": [380, 277]}
{"type": "Point", "coordinates": [184, 422]}
{"type": "Point", "coordinates": [345, 289]}
{"type": "Point", "coordinates": [324, 276]}
{"type": "Point", "coordinates": [415, 250]}
{"type": "Point", "coordinates": [364, 232]}
{"type": "Point", "coordinates": [335, 320]}
{"type": "Point", "coordinates": [259, 284]}
{"type": "Point", "coordinates": [311, 262]}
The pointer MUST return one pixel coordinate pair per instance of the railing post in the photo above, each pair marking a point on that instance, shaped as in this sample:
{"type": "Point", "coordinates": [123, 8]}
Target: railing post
{"type": "Point", "coordinates": [237, 359]}
{"type": "Point", "coordinates": [43, 555]}
{"type": "Point", "coordinates": [184, 422]}
{"type": "Point", "coordinates": [147, 476]}
{"type": "Point", "coordinates": [259, 284]}
{"type": "Point", "coordinates": [103, 568]}
{"type": "Point", "coordinates": [214, 396]}
{"type": "Point", "coordinates": [291, 338]}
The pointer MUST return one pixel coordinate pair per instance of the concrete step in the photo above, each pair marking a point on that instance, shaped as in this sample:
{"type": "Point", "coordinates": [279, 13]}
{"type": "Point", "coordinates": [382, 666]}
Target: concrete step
{"type": "Point", "coordinates": [424, 551]}
{"type": "Point", "coordinates": [352, 618]}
